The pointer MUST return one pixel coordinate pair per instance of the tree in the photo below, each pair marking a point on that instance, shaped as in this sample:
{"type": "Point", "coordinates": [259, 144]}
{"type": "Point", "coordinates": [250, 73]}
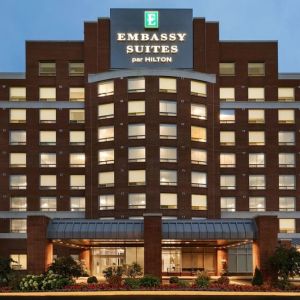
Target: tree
{"type": "Point", "coordinates": [5, 270]}
{"type": "Point", "coordinates": [257, 278]}
{"type": "Point", "coordinates": [134, 270]}
{"type": "Point", "coordinates": [285, 263]}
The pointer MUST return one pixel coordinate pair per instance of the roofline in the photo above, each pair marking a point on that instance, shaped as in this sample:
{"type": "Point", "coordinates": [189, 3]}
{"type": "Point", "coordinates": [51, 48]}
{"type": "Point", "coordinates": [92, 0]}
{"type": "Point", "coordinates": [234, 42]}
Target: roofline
{"type": "Point", "coordinates": [289, 76]}
{"type": "Point", "coordinates": [248, 41]}
{"type": "Point", "coordinates": [12, 75]}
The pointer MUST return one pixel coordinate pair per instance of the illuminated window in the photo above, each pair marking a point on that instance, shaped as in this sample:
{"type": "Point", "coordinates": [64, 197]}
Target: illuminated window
{"type": "Point", "coordinates": [18, 261]}
{"type": "Point", "coordinates": [227, 203]}
{"type": "Point", "coordinates": [286, 160]}
{"type": "Point", "coordinates": [76, 116]}
{"type": "Point", "coordinates": [167, 85]}
{"type": "Point", "coordinates": [168, 177]}
{"type": "Point", "coordinates": [18, 182]}
{"type": "Point", "coordinates": [227, 160]}
{"type": "Point", "coordinates": [47, 93]}
{"type": "Point", "coordinates": [256, 94]}
{"type": "Point", "coordinates": [256, 138]}
{"type": "Point", "coordinates": [106, 156]}
{"type": "Point", "coordinates": [257, 203]}
{"type": "Point", "coordinates": [227, 69]}
{"type": "Point", "coordinates": [48, 138]}
{"type": "Point", "coordinates": [286, 94]}
{"type": "Point", "coordinates": [48, 203]}
{"type": "Point", "coordinates": [136, 177]}
{"type": "Point", "coordinates": [227, 182]}
{"type": "Point", "coordinates": [167, 131]}
{"type": "Point", "coordinates": [106, 133]}
{"type": "Point", "coordinates": [227, 94]}
{"type": "Point", "coordinates": [286, 116]}
{"type": "Point", "coordinates": [136, 85]}
{"type": "Point", "coordinates": [17, 115]}
{"type": "Point", "coordinates": [17, 160]}
{"type": "Point", "coordinates": [48, 160]}
{"type": "Point", "coordinates": [256, 116]}
{"type": "Point", "coordinates": [47, 68]}
{"type": "Point", "coordinates": [287, 203]}
{"type": "Point", "coordinates": [136, 131]}
{"type": "Point", "coordinates": [105, 88]}
{"type": "Point", "coordinates": [257, 182]}
{"type": "Point", "coordinates": [227, 116]}
{"type": "Point", "coordinates": [287, 225]}
{"type": "Point", "coordinates": [167, 108]}
{"type": "Point", "coordinates": [198, 111]}
{"type": "Point", "coordinates": [198, 88]}
{"type": "Point", "coordinates": [198, 179]}
{"type": "Point", "coordinates": [168, 154]}
{"type": "Point", "coordinates": [106, 111]}
{"type": "Point", "coordinates": [47, 115]}
{"type": "Point", "coordinates": [106, 179]}
{"type": "Point", "coordinates": [137, 201]}
{"type": "Point", "coordinates": [256, 69]}
{"type": "Point", "coordinates": [287, 182]}
{"type": "Point", "coordinates": [77, 160]}
{"type": "Point", "coordinates": [17, 93]}
{"type": "Point", "coordinates": [227, 138]}
{"type": "Point", "coordinates": [76, 69]}
{"type": "Point", "coordinates": [286, 138]}
{"type": "Point", "coordinates": [106, 202]}
{"type": "Point", "coordinates": [18, 225]}
{"type": "Point", "coordinates": [48, 182]}
{"type": "Point", "coordinates": [199, 202]}
{"type": "Point", "coordinates": [17, 137]}
{"type": "Point", "coordinates": [136, 154]}
{"type": "Point", "coordinates": [256, 160]}
{"type": "Point", "coordinates": [77, 182]}
{"type": "Point", "coordinates": [136, 108]}
{"type": "Point", "coordinates": [18, 203]}
{"type": "Point", "coordinates": [77, 137]}
{"type": "Point", "coordinates": [76, 94]}
{"type": "Point", "coordinates": [168, 201]}
{"type": "Point", "coordinates": [77, 204]}
{"type": "Point", "coordinates": [198, 134]}
{"type": "Point", "coordinates": [198, 156]}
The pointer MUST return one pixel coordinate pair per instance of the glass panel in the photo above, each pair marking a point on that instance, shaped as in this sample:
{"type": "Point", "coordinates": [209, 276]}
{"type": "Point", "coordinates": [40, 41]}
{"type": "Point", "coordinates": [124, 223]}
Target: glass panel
{"type": "Point", "coordinates": [136, 154]}
{"type": "Point", "coordinates": [48, 160]}
{"type": "Point", "coordinates": [136, 108]}
{"type": "Point", "coordinates": [47, 68]}
{"type": "Point", "coordinates": [256, 138]}
{"type": "Point", "coordinates": [256, 116]}
{"type": "Point", "coordinates": [106, 179]}
{"type": "Point", "coordinates": [106, 202]}
{"type": "Point", "coordinates": [168, 177]}
{"type": "Point", "coordinates": [167, 108]}
{"type": "Point", "coordinates": [76, 94]}
{"type": "Point", "coordinates": [18, 182]}
{"type": "Point", "coordinates": [168, 154]}
{"type": "Point", "coordinates": [256, 69]}
{"type": "Point", "coordinates": [17, 115]}
{"type": "Point", "coordinates": [198, 179]}
{"type": "Point", "coordinates": [106, 133]}
{"type": "Point", "coordinates": [136, 85]}
{"type": "Point", "coordinates": [106, 156]}
{"type": "Point", "coordinates": [227, 69]}
{"type": "Point", "coordinates": [77, 159]}
{"type": "Point", "coordinates": [286, 138]}
{"type": "Point", "coordinates": [18, 225]}
{"type": "Point", "coordinates": [19, 261]}
{"type": "Point", "coordinates": [287, 203]}
{"type": "Point", "coordinates": [77, 182]}
{"type": "Point", "coordinates": [136, 177]}
{"type": "Point", "coordinates": [17, 160]}
{"type": "Point", "coordinates": [47, 181]}
{"type": "Point", "coordinates": [48, 203]}
{"type": "Point", "coordinates": [105, 88]}
{"type": "Point", "coordinates": [48, 93]}
{"type": "Point", "coordinates": [17, 137]}
{"type": "Point", "coordinates": [227, 182]}
{"type": "Point", "coordinates": [286, 94]}
{"type": "Point", "coordinates": [256, 94]}
{"type": "Point", "coordinates": [257, 204]}
{"type": "Point", "coordinates": [168, 131]}
{"type": "Point", "coordinates": [76, 116]}
{"type": "Point", "coordinates": [227, 138]}
{"type": "Point", "coordinates": [198, 111]}
{"type": "Point", "coordinates": [198, 156]}
{"type": "Point", "coordinates": [198, 88]}
{"type": "Point", "coordinates": [257, 182]}
{"type": "Point", "coordinates": [105, 111]}
{"type": "Point", "coordinates": [199, 202]}
{"type": "Point", "coordinates": [137, 201]}
{"type": "Point", "coordinates": [47, 115]}
{"type": "Point", "coordinates": [227, 116]}
{"type": "Point", "coordinates": [168, 201]}
{"type": "Point", "coordinates": [287, 226]}
{"type": "Point", "coordinates": [77, 203]}
{"type": "Point", "coordinates": [286, 116]}
{"type": "Point", "coordinates": [286, 160]}
{"type": "Point", "coordinates": [47, 137]}
{"type": "Point", "coordinates": [76, 69]}
{"type": "Point", "coordinates": [198, 134]}
{"type": "Point", "coordinates": [227, 203]}
{"type": "Point", "coordinates": [287, 182]}
{"type": "Point", "coordinates": [256, 160]}
{"type": "Point", "coordinates": [18, 203]}
{"type": "Point", "coordinates": [136, 131]}
{"type": "Point", "coordinates": [167, 85]}
{"type": "Point", "coordinates": [17, 93]}
{"type": "Point", "coordinates": [227, 94]}
{"type": "Point", "coordinates": [227, 160]}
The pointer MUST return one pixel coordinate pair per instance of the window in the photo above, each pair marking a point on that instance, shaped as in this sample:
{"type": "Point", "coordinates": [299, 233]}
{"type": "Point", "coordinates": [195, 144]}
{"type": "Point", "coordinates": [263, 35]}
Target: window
{"type": "Point", "coordinates": [227, 116]}
{"type": "Point", "coordinates": [47, 93]}
{"type": "Point", "coordinates": [18, 225]}
{"type": "Point", "coordinates": [227, 94]}
{"type": "Point", "coordinates": [256, 138]}
{"type": "Point", "coordinates": [17, 115]}
{"type": "Point", "coordinates": [287, 182]}
{"type": "Point", "coordinates": [77, 204]}
{"type": "Point", "coordinates": [199, 202]}
{"type": "Point", "coordinates": [168, 201]}
{"type": "Point", "coordinates": [18, 203]}
{"type": "Point", "coordinates": [76, 115]}
{"type": "Point", "coordinates": [106, 179]}
{"type": "Point", "coordinates": [198, 88]}
{"type": "Point", "coordinates": [106, 133]}
{"type": "Point", "coordinates": [198, 134]}
{"type": "Point", "coordinates": [167, 131]}
{"type": "Point", "coordinates": [77, 182]}
{"type": "Point", "coordinates": [17, 160]}
{"type": "Point", "coordinates": [198, 111]}
{"type": "Point", "coordinates": [287, 203]}
{"type": "Point", "coordinates": [287, 225]}
{"type": "Point", "coordinates": [227, 160]}
{"type": "Point", "coordinates": [47, 137]}
{"type": "Point", "coordinates": [227, 138]}
{"type": "Point", "coordinates": [136, 177]}
{"type": "Point", "coordinates": [136, 154]}
{"type": "Point", "coordinates": [256, 94]}
{"type": "Point", "coordinates": [227, 69]}
{"type": "Point", "coordinates": [106, 111]}
{"type": "Point", "coordinates": [76, 94]}
{"type": "Point", "coordinates": [136, 108]}
{"type": "Point", "coordinates": [256, 116]}
{"type": "Point", "coordinates": [19, 261]}
{"type": "Point", "coordinates": [286, 160]}
{"type": "Point", "coordinates": [168, 177]}
{"type": "Point", "coordinates": [106, 156]}
{"type": "Point", "coordinates": [257, 182]}
{"type": "Point", "coordinates": [167, 85]}
{"type": "Point", "coordinates": [136, 85]}
{"type": "Point", "coordinates": [137, 201]}
{"type": "Point", "coordinates": [106, 202]}
{"type": "Point", "coordinates": [47, 115]}
{"type": "Point", "coordinates": [198, 156]}
{"type": "Point", "coordinates": [286, 94]}
{"type": "Point", "coordinates": [17, 137]}
{"type": "Point", "coordinates": [256, 160]}
{"type": "Point", "coordinates": [17, 93]}
{"type": "Point", "coordinates": [77, 160]}
{"type": "Point", "coordinates": [286, 138]}
{"type": "Point", "coordinates": [76, 69]}
{"type": "Point", "coordinates": [106, 88]}
{"type": "Point", "coordinates": [47, 182]}
{"type": "Point", "coordinates": [227, 203]}
{"type": "Point", "coordinates": [257, 203]}
{"type": "Point", "coordinates": [286, 116]}
{"type": "Point", "coordinates": [48, 160]}
{"type": "Point", "coordinates": [48, 203]}
{"type": "Point", "coordinates": [198, 179]}
{"type": "Point", "coordinates": [167, 108]}
{"type": "Point", "coordinates": [17, 182]}
{"type": "Point", "coordinates": [168, 154]}
{"type": "Point", "coordinates": [47, 68]}
{"type": "Point", "coordinates": [227, 182]}
{"type": "Point", "coordinates": [136, 131]}
{"type": "Point", "coordinates": [256, 69]}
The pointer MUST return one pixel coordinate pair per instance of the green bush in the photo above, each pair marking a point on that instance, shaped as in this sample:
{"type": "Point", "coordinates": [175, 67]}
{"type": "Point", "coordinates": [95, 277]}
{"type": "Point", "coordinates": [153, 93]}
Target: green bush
{"type": "Point", "coordinates": [134, 270]}
{"type": "Point", "coordinates": [31, 283]}
{"type": "Point", "coordinates": [92, 279]}
{"type": "Point", "coordinates": [173, 279]}
{"type": "Point", "coordinates": [14, 280]}
{"type": "Point", "coordinates": [182, 283]}
{"type": "Point", "coordinates": [132, 283]}
{"type": "Point", "coordinates": [5, 270]}
{"type": "Point", "coordinates": [202, 280]}
{"type": "Point", "coordinates": [224, 280]}
{"type": "Point", "coordinates": [52, 281]}
{"type": "Point", "coordinates": [149, 281]}
{"type": "Point", "coordinates": [113, 275]}
{"type": "Point", "coordinates": [257, 278]}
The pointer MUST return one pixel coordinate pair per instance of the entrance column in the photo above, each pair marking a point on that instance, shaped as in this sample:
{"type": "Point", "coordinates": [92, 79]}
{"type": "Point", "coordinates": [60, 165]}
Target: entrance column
{"type": "Point", "coordinates": [222, 261]}
{"type": "Point", "coordinates": [152, 244]}
{"type": "Point", "coordinates": [39, 248]}
{"type": "Point", "coordinates": [85, 258]}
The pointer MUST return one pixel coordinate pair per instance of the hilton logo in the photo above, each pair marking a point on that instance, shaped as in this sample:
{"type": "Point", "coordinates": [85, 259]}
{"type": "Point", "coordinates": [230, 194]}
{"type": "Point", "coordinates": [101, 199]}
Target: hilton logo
{"type": "Point", "coordinates": [151, 19]}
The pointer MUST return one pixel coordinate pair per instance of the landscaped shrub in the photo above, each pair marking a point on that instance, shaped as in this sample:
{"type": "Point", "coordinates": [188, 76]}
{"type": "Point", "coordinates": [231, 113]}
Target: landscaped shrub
{"type": "Point", "coordinates": [149, 281]}
{"type": "Point", "coordinates": [134, 270]}
{"type": "Point", "coordinates": [31, 283]}
{"type": "Point", "coordinates": [257, 278]}
{"type": "Point", "coordinates": [52, 281]}
{"type": "Point", "coordinates": [132, 283]}
{"type": "Point", "coordinates": [5, 270]}
{"type": "Point", "coordinates": [92, 279]}
{"type": "Point", "coordinates": [173, 279]}
{"type": "Point", "coordinates": [202, 280]}
{"type": "Point", "coordinates": [182, 283]}
{"type": "Point", "coordinates": [113, 275]}
{"type": "Point", "coordinates": [224, 280]}
{"type": "Point", "coordinates": [14, 280]}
